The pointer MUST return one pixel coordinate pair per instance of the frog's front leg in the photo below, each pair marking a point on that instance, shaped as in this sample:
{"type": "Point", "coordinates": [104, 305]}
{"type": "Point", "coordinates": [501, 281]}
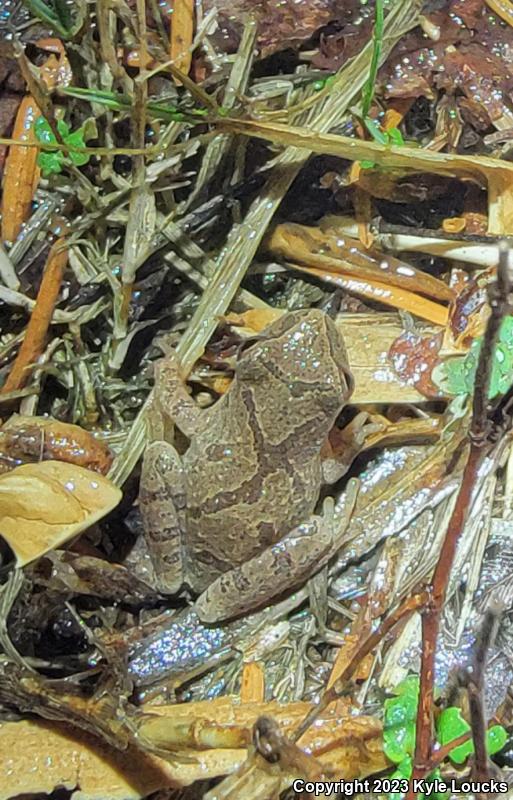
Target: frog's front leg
{"type": "Point", "coordinates": [279, 568]}
{"type": "Point", "coordinates": [162, 501]}
{"type": "Point", "coordinates": [171, 401]}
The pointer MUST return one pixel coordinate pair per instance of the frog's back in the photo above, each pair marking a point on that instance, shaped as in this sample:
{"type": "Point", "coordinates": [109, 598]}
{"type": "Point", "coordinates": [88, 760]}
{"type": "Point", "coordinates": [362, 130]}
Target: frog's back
{"type": "Point", "coordinates": [255, 472]}
{"type": "Point", "coordinates": [243, 494]}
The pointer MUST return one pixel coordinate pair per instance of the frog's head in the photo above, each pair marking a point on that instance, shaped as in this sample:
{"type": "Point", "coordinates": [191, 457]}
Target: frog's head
{"type": "Point", "coordinates": [301, 355]}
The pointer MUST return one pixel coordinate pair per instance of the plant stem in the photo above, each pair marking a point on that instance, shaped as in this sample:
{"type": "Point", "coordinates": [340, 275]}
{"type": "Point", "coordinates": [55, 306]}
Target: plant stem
{"type": "Point", "coordinates": [370, 86]}
{"type": "Point", "coordinates": [478, 449]}
{"type": "Point", "coordinates": [402, 612]}
{"type": "Point", "coordinates": [475, 689]}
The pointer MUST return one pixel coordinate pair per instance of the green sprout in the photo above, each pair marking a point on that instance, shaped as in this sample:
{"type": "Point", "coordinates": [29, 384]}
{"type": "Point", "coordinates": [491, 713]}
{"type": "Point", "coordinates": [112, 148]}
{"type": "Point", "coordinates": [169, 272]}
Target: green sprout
{"type": "Point", "coordinates": [394, 135]}
{"type": "Point", "coordinates": [53, 161]}
{"type": "Point", "coordinates": [377, 40]}
{"type": "Point", "coordinates": [399, 734]}
{"type": "Point", "coordinates": [456, 375]}
{"type": "Point", "coordinates": [391, 137]}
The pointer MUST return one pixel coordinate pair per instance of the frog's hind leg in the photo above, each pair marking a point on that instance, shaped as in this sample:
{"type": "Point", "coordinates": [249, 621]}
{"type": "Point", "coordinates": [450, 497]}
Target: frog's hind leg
{"type": "Point", "coordinates": [280, 568]}
{"type": "Point", "coordinates": [162, 500]}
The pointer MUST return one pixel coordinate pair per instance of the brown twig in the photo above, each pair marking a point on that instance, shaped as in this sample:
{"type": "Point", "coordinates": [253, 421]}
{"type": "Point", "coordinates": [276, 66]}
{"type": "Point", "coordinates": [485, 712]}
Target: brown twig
{"type": "Point", "coordinates": [37, 329]}
{"type": "Point", "coordinates": [276, 748]}
{"type": "Point", "coordinates": [443, 752]}
{"type": "Point", "coordinates": [403, 611]}
{"type": "Point", "coordinates": [479, 428]}
{"type": "Point", "coordinates": [475, 689]}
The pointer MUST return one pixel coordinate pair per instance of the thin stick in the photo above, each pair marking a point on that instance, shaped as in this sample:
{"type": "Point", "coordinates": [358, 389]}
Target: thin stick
{"type": "Point", "coordinates": [475, 689]}
{"type": "Point", "coordinates": [443, 752]}
{"type": "Point", "coordinates": [35, 338]}
{"type": "Point", "coordinates": [478, 438]}
{"type": "Point", "coordinates": [403, 611]}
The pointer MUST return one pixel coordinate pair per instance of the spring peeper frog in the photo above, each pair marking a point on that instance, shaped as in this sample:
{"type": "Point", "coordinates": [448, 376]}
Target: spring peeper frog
{"type": "Point", "coordinates": [233, 516]}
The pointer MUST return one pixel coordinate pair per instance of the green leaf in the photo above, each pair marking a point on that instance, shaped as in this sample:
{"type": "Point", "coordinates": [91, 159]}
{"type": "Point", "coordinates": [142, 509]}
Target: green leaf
{"type": "Point", "coordinates": [50, 163]}
{"type": "Point", "coordinates": [404, 771]}
{"type": "Point", "coordinates": [456, 375]}
{"type": "Point", "coordinates": [375, 131]}
{"type": "Point", "coordinates": [451, 725]}
{"type": "Point", "coordinates": [43, 131]}
{"type": "Point", "coordinates": [53, 162]}
{"type": "Point", "coordinates": [76, 139]}
{"type": "Point", "coordinates": [367, 164]}
{"type": "Point", "coordinates": [451, 377]}
{"type": "Point", "coordinates": [400, 719]}
{"type": "Point", "coordinates": [396, 137]}
{"type": "Point", "coordinates": [496, 738]}
{"type": "Point", "coordinates": [409, 686]}
{"type": "Point", "coordinates": [63, 128]}
{"type": "Point", "coordinates": [506, 332]}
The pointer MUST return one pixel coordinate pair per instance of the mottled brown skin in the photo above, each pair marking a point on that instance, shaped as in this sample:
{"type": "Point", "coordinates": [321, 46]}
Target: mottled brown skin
{"type": "Point", "coordinates": [253, 472]}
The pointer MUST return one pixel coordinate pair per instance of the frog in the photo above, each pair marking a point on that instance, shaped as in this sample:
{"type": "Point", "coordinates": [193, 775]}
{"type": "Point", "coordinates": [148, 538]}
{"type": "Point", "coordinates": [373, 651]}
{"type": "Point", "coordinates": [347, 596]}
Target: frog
{"type": "Point", "coordinates": [232, 518]}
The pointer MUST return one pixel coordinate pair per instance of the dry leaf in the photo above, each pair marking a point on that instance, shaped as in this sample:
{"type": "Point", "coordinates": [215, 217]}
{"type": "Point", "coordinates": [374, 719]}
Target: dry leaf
{"type": "Point", "coordinates": [503, 8]}
{"type": "Point", "coordinates": [28, 439]}
{"type": "Point", "coordinates": [44, 505]}
{"type": "Point", "coordinates": [325, 250]}
{"type": "Point", "coordinates": [281, 23]}
{"type": "Point", "coordinates": [254, 320]}
{"type": "Point", "coordinates": [53, 754]}
{"type": "Point", "coordinates": [21, 174]}
{"type": "Point", "coordinates": [252, 684]}
{"type": "Point", "coordinates": [182, 34]}
{"type": "Point", "coordinates": [36, 757]}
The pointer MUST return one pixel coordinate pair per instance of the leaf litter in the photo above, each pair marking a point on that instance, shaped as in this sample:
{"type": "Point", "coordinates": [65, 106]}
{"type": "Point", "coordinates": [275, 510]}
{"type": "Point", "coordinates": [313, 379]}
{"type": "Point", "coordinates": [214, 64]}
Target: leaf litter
{"type": "Point", "coordinates": [175, 177]}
